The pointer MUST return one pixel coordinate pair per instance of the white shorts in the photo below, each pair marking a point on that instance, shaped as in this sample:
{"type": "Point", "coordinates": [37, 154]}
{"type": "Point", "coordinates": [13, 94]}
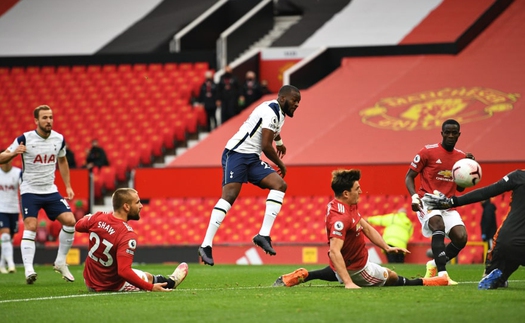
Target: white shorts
{"type": "Point", "coordinates": [127, 287]}
{"type": "Point", "coordinates": [372, 275]}
{"type": "Point", "coordinates": [451, 218]}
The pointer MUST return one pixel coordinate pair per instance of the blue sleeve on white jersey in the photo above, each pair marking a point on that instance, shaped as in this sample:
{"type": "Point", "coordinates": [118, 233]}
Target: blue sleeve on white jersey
{"type": "Point", "coordinates": [275, 107]}
{"type": "Point", "coordinates": [16, 143]}
{"type": "Point", "coordinates": [20, 139]}
{"type": "Point", "coordinates": [62, 151]}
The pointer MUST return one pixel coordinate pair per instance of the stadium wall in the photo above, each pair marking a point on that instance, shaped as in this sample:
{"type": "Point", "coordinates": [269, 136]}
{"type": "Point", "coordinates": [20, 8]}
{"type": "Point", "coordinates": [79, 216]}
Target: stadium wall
{"type": "Point", "coordinates": [189, 56]}
{"type": "Point", "coordinates": [302, 180]}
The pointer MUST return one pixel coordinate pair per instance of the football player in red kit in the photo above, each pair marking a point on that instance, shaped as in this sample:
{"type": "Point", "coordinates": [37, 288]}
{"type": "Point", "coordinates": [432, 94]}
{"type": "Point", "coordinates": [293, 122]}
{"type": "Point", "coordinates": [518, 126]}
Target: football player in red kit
{"type": "Point", "coordinates": [434, 162]}
{"type": "Point", "coordinates": [345, 230]}
{"type": "Point", "coordinates": [112, 244]}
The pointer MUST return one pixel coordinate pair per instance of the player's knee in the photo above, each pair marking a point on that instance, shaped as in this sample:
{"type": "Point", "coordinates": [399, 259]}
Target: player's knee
{"type": "Point", "coordinates": [392, 278]}
{"type": "Point", "coordinates": [282, 186]}
{"type": "Point", "coordinates": [67, 219]}
{"type": "Point", "coordinates": [5, 237]}
{"type": "Point", "coordinates": [458, 236]}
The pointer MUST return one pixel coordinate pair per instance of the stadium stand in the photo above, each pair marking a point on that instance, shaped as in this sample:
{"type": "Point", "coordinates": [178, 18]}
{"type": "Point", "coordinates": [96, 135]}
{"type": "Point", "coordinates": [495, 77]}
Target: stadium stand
{"type": "Point", "coordinates": [136, 112]}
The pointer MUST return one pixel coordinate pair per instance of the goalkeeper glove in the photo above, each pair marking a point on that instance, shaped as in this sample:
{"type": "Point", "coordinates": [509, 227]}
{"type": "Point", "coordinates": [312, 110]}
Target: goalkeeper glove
{"type": "Point", "coordinates": [437, 201]}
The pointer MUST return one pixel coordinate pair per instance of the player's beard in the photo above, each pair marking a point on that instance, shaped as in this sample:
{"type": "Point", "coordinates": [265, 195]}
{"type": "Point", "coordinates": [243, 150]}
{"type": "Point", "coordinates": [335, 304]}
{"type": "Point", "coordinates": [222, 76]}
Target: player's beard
{"type": "Point", "coordinates": [134, 216]}
{"type": "Point", "coordinates": [46, 129]}
{"type": "Point", "coordinates": [286, 109]}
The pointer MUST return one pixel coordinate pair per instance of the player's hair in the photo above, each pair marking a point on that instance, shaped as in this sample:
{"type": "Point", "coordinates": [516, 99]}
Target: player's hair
{"type": "Point", "coordinates": [36, 113]}
{"type": "Point", "coordinates": [450, 121]}
{"type": "Point", "coordinates": [287, 89]}
{"type": "Point", "coordinates": [122, 196]}
{"type": "Point", "coordinates": [344, 179]}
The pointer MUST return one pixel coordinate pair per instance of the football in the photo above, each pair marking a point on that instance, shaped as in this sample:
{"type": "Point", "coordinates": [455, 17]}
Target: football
{"type": "Point", "coordinates": [466, 172]}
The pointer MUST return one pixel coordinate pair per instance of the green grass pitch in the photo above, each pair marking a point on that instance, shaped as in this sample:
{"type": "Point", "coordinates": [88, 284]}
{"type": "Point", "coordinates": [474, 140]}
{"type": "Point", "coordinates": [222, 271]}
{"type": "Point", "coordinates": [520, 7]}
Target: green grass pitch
{"type": "Point", "coordinates": [228, 293]}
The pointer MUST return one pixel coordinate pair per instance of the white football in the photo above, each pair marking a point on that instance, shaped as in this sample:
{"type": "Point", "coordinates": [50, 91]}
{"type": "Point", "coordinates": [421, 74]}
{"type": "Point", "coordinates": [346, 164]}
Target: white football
{"type": "Point", "coordinates": [466, 172]}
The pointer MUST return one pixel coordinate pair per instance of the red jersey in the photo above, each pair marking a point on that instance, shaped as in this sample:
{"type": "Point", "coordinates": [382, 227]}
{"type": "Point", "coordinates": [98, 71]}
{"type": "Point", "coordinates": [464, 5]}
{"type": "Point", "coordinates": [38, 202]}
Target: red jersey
{"type": "Point", "coordinates": [434, 164]}
{"type": "Point", "coordinates": [342, 222]}
{"type": "Point", "coordinates": [112, 244]}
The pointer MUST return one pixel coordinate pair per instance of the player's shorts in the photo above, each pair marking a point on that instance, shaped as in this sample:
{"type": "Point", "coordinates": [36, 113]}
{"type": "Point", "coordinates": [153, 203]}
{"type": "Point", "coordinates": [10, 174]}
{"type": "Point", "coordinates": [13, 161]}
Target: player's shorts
{"type": "Point", "coordinates": [242, 168]}
{"type": "Point", "coordinates": [9, 220]}
{"type": "Point", "coordinates": [53, 203]}
{"type": "Point", "coordinates": [127, 287]}
{"type": "Point", "coordinates": [451, 218]}
{"type": "Point", "coordinates": [371, 275]}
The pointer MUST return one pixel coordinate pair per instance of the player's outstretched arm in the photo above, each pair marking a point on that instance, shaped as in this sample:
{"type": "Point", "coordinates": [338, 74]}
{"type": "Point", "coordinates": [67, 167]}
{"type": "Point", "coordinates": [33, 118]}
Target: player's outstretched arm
{"type": "Point", "coordinates": [160, 287]}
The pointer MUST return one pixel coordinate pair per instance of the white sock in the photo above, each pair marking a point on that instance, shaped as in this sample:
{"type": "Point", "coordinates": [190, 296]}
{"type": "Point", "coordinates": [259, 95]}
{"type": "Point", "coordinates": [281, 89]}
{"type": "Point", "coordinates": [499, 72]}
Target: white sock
{"type": "Point", "coordinates": [274, 202]}
{"type": "Point", "coordinates": [2, 261]}
{"type": "Point", "coordinates": [27, 247]}
{"type": "Point", "coordinates": [7, 249]}
{"type": "Point", "coordinates": [217, 216]}
{"type": "Point", "coordinates": [433, 262]}
{"type": "Point", "coordinates": [65, 241]}
{"type": "Point", "coordinates": [441, 273]}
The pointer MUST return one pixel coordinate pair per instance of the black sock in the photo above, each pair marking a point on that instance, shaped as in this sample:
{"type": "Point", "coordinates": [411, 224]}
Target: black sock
{"type": "Point", "coordinates": [162, 279]}
{"type": "Point", "coordinates": [438, 249]}
{"type": "Point", "coordinates": [402, 281]}
{"type": "Point", "coordinates": [324, 274]}
{"type": "Point", "coordinates": [452, 251]}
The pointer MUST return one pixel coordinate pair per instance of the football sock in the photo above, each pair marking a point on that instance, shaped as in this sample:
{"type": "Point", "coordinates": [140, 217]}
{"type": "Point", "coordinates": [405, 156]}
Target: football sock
{"type": "Point", "coordinates": [452, 251]}
{"type": "Point", "coordinates": [326, 273]}
{"type": "Point", "coordinates": [7, 249]}
{"type": "Point", "coordinates": [274, 202]}
{"type": "Point", "coordinates": [27, 246]}
{"type": "Point", "coordinates": [402, 281]}
{"type": "Point", "coordinates": [65, 241]}
{"type": "Point", "coordinates": [217, 216]}
{"type": "Point", "coordinates": [438, 249]}
{"type": "Point", "coordinates": [162, 279]}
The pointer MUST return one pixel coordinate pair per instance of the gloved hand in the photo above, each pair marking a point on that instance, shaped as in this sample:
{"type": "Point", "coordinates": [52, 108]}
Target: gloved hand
{"type": "Point", "coordinates": [437, 201]}
{"type": "Point", "coordinates": [416, 203]}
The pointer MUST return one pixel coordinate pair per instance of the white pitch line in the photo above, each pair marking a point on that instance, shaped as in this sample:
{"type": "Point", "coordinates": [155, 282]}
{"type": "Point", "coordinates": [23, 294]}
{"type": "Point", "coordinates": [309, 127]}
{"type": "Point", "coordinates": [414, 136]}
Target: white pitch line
{"type": "Point", "coordinates": [180, 291]}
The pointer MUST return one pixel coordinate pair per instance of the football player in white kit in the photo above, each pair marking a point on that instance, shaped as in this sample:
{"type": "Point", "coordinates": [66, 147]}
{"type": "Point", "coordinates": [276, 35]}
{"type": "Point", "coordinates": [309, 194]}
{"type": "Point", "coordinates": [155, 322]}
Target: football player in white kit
{"type": "Point", "coordinates": [9, 213]}
{"type": "Point", "coordinates": [241, 163]}
{"type": "Point", "coordinates": [41, 150]}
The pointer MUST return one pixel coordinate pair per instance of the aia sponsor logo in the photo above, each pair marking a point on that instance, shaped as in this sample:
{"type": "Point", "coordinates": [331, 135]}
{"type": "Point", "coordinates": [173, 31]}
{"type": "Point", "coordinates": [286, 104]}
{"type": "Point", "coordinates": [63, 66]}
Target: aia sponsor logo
{"type": "Point", "coordinates": [428, 110]}
{"type": "Point", "coordinates": [44, 159]}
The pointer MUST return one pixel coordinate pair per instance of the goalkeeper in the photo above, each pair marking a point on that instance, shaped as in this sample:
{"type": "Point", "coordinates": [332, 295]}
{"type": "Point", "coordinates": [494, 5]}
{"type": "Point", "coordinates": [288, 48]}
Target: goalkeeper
{"type": "Point", "coordinates": [508, 251]}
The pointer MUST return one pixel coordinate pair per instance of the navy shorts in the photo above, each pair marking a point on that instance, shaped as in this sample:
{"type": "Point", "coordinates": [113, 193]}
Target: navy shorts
{"type": "Point", "coordinates": [242, 168]}
{"type": "Point", "coordinates": [9, 220]}
{"type": "Point", "coordinates": [54, 205]}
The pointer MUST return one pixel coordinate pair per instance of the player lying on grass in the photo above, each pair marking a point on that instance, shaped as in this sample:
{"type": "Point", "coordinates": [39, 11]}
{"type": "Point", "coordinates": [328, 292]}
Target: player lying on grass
{"type": "Point", "coordinates": [112, 244]}
{"type": "Point", "coordinates": [348, 254]}
{"type": "Point", "coordinates": [508, 251]}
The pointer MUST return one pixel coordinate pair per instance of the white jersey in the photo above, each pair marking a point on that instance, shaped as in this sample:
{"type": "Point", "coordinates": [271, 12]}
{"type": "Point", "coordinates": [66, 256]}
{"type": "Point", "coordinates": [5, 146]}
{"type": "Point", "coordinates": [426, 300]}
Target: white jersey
{"type": "Point", "coordinates": [39, 161]}
{"type": "Point", "coordinates": [248, 140]}
{"type": "Point", "coordinates": [9, 183]}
